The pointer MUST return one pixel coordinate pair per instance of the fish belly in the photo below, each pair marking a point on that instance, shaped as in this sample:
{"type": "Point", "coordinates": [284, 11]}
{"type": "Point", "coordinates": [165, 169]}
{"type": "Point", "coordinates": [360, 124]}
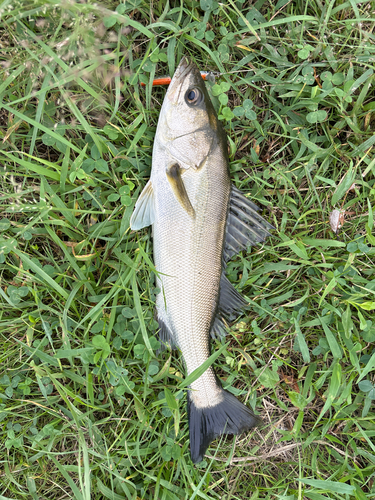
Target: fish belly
{"type": "Point", "coordinates": [188, 259]}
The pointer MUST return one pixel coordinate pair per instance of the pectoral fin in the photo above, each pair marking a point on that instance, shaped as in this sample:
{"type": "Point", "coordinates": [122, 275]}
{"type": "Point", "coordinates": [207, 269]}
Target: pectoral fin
{"type": "Point", "coordinates": [178, 188]}
{"type": "Point", "coordinates": [144, 212]}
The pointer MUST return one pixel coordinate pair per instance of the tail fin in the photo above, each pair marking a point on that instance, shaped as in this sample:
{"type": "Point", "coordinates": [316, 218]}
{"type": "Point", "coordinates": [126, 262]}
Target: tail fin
{"type": "Point", "coordinates": [205, 424]}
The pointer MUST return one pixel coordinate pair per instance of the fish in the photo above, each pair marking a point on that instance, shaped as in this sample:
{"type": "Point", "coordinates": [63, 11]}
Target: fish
{"type": "Point", "coordinates": [199, 222]}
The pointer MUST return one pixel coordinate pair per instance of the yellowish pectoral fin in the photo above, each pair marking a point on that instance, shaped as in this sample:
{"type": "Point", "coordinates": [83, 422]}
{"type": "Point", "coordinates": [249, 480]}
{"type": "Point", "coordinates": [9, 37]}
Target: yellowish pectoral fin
{"type": "Point", "coordinates": [178, 188]}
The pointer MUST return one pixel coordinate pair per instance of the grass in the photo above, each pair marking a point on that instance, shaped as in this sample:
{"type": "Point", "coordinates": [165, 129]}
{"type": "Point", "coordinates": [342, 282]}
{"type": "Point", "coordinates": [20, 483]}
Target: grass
{"type": "Point", "coordinates": [87, 408]}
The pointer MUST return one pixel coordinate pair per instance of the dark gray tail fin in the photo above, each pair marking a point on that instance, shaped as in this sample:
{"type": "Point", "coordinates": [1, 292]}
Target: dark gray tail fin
{"type": "Point", "coordinates": [205, 424]}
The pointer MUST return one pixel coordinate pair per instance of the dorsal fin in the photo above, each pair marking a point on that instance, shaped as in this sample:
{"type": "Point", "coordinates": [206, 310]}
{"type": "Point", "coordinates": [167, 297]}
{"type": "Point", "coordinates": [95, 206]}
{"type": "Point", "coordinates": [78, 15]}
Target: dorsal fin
{"type": "Point", "coordinates": [245, 227]}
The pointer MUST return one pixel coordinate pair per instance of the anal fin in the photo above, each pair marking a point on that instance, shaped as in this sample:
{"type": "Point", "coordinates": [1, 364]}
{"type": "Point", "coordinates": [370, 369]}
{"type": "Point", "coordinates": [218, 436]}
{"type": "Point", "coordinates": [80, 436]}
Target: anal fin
{"type": "Point", "coordinates": [218, 328]}
{"type": "Point", "coordinates": [230, 300]}
{"type": "Point", "coordinates": [229, 306]}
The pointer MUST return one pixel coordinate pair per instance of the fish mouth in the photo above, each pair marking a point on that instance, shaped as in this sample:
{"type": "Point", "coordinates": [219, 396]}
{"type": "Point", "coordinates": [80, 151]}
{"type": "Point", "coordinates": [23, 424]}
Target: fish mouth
{"type": "Point", "coordinates": [183, 69]}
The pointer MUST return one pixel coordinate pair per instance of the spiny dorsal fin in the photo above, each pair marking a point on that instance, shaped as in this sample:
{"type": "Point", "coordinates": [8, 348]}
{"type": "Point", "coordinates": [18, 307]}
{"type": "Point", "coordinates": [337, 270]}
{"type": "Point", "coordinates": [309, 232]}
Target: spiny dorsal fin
{"type": "Point", "coordinates": [245, 227]}
{"type": "Point", "coordinates": [178, 188]}
{"type": "Point", "coordinates": [144, 210]}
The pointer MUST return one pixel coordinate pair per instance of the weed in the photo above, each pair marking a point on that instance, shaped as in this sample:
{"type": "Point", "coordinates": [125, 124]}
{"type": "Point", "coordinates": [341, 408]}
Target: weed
{"type": "Point", "coordinates": [88, 409]}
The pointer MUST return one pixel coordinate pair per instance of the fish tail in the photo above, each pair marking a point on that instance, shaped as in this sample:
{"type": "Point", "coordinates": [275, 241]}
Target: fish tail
{"type": "Point", "coordinates": [229, 416]}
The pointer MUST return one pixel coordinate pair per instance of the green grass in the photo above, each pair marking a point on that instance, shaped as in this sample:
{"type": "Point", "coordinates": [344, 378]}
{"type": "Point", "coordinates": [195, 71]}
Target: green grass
{"type": "Point", "coordinates": [87, 408]}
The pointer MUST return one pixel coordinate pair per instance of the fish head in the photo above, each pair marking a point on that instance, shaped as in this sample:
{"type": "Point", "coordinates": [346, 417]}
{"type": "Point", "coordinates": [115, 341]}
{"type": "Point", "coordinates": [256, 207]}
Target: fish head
{"type": "Point", "coordinates": [188, 127]}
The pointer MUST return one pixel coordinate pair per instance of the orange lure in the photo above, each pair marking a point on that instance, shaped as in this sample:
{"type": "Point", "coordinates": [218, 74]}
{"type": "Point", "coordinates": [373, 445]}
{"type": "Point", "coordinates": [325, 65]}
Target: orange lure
{"type": "Point", "coordinates": [166, 80]}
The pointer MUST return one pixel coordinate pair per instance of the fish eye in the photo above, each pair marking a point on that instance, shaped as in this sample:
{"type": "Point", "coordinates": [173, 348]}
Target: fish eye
{"type": "Point", "coordinates": [193, 96]}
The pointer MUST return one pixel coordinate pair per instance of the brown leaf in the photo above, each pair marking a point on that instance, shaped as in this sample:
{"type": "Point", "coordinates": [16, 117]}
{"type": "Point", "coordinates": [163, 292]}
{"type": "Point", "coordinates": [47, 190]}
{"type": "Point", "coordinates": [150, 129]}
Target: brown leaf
{"type": "Point", "coordinates": [289, 380]}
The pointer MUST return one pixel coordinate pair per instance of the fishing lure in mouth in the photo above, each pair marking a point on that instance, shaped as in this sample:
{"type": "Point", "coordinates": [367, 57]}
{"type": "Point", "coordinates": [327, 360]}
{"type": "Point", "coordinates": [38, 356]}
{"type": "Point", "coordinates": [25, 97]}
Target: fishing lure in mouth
{"type": "Point", "coordinates": [208, 76]}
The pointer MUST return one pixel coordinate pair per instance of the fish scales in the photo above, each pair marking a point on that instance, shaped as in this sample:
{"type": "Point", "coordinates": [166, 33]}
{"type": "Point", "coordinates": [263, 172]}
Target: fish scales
{"type": "Point", "coordinates": [199, 221]}
{"type": "Point", "coordinates": [191, 265]}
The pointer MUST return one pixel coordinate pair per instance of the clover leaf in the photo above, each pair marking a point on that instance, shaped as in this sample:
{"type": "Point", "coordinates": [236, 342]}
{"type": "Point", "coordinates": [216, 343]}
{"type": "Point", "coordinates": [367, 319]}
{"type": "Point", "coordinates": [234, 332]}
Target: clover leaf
{"type": "Point", "coordinates": [338, 78]}
{"type": "Point", "coordinates": [110, 132]}
{"type": "Point", "coordinates": [367, 387]}
{"type": "Point", "coordinates": [101, 165]}
{"type": "Point", "coordinates": [218, 89]}
{"type": "Point", "coordinates": [326, 76]}
{"type": "Point", "coordinates": [100, 341]}
{"type": "Point", "coordinates": [4, 224]}
{"type": "Point", "coordinates": [104, 348]}
{"type": "Point", "coordinates": [238, 111]}
{"type": "Point", "coordinates": [226, 113]}
{"type": "Point", "coordinates": [316, 116]}
{"type": "Point", "coordinates": [48, 140]}
{"type": "Point", "coordinates": [245, 109]}
{"type": "Point", "coordinates": [305, 51]}
{"type": "Point", "coordinates": [223, 99]}
{"type": "Point", "coordinates": [16, 294]}
{"type": "Point", "coordinates": [148, 66]}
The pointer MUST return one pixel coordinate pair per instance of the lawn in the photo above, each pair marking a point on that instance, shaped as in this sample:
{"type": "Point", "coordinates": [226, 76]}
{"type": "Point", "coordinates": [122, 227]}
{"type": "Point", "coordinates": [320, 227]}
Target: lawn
{"type": "Point", "coordinates": [88, 407]}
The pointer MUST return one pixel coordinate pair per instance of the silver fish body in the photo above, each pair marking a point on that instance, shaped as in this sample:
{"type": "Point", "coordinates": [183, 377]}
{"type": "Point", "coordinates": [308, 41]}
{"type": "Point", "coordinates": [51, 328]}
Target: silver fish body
{"type": "Point", "coordinates": [199, 221]}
